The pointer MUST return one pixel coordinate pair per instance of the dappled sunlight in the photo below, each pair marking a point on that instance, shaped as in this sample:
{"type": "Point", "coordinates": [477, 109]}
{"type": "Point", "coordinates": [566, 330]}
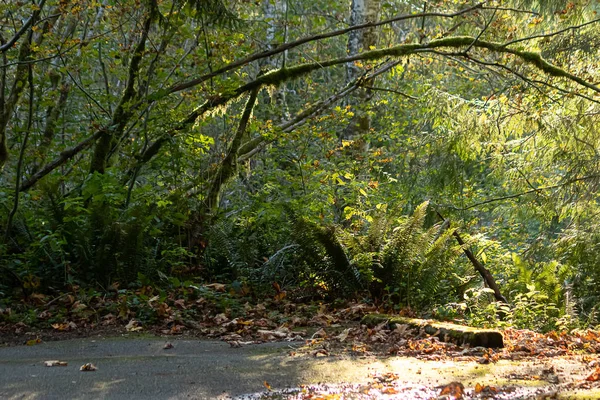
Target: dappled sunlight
{"type": "Point", "coordinates": [100, 387]}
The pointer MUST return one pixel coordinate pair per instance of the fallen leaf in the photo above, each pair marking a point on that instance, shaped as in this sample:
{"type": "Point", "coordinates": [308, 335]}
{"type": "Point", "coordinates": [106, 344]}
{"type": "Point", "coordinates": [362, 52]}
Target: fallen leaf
{"type": "Point", "coordinates": [134, 326]}
{"type": "Point", "coordinates": [455, 389]}
{"type": "Point", "coordinates": [55, 363]}
{"type": "Point", "coordinates": [271, 335]}
{"type": "Point", "coordinates": [217, 287]}
{"type": "Point", "coordinates": [168, 346]}
{"type": "Point", "coordinates": [320, 353]}
{"type": "Point", "coordinates": [220, 319]}
{"type": "Point", "coordinates": [267, 385]}
{"type": "Point", "coordinates": [343, 336]}
{"type": "Point", "coordinates": [594, 376]}
{"type": "Point", "coordinates": [320, 334]}
{"type": "Point", "coordinates": [88, 367]}
{"type": "Point", "coordinates": [33, 342]}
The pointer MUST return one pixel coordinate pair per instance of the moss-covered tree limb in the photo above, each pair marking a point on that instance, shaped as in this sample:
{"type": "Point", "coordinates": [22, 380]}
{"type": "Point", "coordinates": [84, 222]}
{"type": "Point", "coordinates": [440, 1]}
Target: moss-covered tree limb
{"type": "Point", "coordinates": [10, 103]}
{"type": "Point", "coordinates": [252, 146]}
{"type": "Point", "coordinates": [228, 166]}
{"type": "Point", "coordinates": [287, 46]}
{"type": "Point", "coordinates": [276, 77]}
{"type": "Point", "coordinates": [123, 112]}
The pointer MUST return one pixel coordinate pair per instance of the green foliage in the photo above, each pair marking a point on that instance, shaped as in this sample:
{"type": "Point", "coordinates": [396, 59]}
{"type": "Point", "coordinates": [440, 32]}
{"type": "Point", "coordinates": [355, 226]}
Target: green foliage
{"type": "Point", "coordinates": [410, 263]}
{"type": "Point", "coordinates": [94, 237]}
{"type": "Point", "coordinates": [529, 310]}
{"type": "Point", "coordinates": [326, 257]}
{"type": "Point", "coordinates": [578, 248]}
{"type": "Point", "coordinates": [504, 142]}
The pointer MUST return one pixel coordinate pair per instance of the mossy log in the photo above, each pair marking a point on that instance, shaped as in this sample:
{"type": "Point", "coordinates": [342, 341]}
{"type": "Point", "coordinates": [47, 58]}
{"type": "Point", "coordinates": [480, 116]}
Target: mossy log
{"type": "Point", "coordinates": [445, 331]}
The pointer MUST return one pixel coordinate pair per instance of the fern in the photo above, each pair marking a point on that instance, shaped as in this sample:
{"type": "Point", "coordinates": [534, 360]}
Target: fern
{"type": "Point", "coordinates": [408, 260]}
{"type": "Point", "coordinates": [326, 255]}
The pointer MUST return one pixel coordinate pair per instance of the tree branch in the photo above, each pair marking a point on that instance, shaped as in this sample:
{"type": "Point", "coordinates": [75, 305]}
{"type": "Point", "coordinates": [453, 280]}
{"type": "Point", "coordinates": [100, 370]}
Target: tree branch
{"type": "Point", "coordinates": [30, 21]}
{"type": "Point", "coordinates": [516, 195]}
{"type": "Point", "coordinates": [274, 78]}
{"type": "Point", "coordinates": [287, 46]}
{"type": "Point", "coordinates": [64, 156]}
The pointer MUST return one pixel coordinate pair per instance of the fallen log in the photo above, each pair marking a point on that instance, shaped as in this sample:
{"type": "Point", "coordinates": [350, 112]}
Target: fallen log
{"type": "Point", "coordinates": [445, 331]}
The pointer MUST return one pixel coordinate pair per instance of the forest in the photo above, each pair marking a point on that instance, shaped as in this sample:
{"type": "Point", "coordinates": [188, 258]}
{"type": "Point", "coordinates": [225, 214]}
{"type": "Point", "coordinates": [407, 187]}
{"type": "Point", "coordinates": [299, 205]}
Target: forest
{"type": "Point", "coordinates": [436, 159]}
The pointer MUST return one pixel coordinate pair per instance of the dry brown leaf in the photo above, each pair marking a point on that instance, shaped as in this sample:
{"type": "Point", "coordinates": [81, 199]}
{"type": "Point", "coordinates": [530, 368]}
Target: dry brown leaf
{"type": "Point", "coordinates": [217, 287]}
{"type": "Point", "coordinates": [133, 326]}
{"type": "Point", "coordinates": [220, 319]}
{"type": "Point", "coordinates": [594, 376]}
{"type": "Point", "coordinates": [343, 336]}
{"type": "Point", "coordinates": [88, 367]}
{"type": "Point", "coordinates": [271, 335]}
{"type": "Point", "coordinates": [56, 363]}
{"type": "Point", "coordinates": [319, 353]}
{"type": "Point", "coordinates": [319, 334]}
{"type": "Point", "coordinates": [389, 390]}
{"type": "Point", "coordinates": [455, 389]}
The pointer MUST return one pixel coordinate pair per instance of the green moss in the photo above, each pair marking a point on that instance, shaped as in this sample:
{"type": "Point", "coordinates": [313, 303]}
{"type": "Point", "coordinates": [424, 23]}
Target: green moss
{"type": "Point", "coordinates": [443, 330]}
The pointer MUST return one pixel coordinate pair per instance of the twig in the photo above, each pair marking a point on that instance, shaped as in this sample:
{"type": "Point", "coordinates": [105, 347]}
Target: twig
{"type": "Point", "coordinates": [408, 96]}
{"type": "Point", "coordinates": [6, 46]}
{"type": "Point", "coordinates": [544, 35]}
{"type": "Point", "coordinates": [516, 195]}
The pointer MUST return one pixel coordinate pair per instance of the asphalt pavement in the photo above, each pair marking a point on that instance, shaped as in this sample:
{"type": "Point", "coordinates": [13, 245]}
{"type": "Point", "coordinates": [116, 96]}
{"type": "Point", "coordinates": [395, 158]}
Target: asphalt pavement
{"type": "Point", "coordinates": [140, 368]}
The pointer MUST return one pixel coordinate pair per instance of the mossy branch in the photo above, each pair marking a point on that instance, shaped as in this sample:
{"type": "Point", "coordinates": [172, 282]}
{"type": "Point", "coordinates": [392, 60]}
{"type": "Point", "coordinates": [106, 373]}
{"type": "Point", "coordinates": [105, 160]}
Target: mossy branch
{"type": "Point", "coordinates": [288, 46]}
{"type": "Point", "coordinates": [276, 77]}
{"type": "Point", "coordinates": [228, 167]}
{"type": "Point", "coordinates": [124, 111]}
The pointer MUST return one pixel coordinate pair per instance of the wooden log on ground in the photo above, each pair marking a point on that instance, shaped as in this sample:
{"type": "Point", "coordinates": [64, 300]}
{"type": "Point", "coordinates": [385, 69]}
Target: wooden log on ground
{"type": "Point", "coordinates": [445, 331]}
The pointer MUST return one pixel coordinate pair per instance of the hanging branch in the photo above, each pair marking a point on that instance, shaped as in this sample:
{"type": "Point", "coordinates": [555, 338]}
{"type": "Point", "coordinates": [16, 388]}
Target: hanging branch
{"type": "Point", "coordinates": [228, 166]}
{"type": "Point", "coordinates": [21, 156]}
